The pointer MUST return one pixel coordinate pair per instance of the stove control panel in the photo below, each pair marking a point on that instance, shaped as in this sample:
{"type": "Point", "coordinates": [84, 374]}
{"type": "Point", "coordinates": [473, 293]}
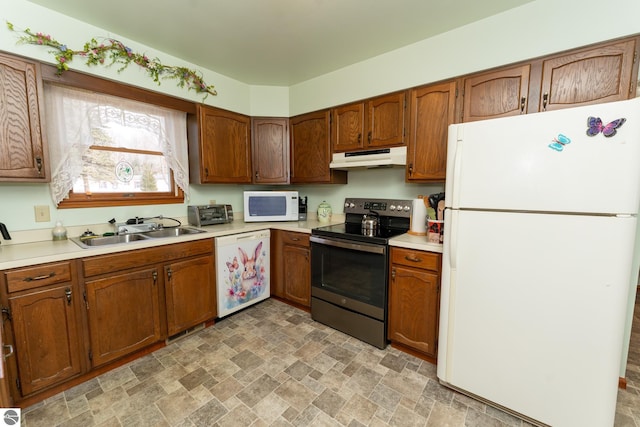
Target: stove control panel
{"type": "Point", "coordinates": [385, 207]}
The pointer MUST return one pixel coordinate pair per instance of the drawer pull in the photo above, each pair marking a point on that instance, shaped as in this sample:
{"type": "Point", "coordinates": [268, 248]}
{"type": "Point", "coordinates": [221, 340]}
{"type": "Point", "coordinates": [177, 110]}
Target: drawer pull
{"type": "Point", "coordinates": [412, 258]}
{"type": "Point", "coordinates": [295, 239]}
{"type": "Point", "coordinates": [43, 277]}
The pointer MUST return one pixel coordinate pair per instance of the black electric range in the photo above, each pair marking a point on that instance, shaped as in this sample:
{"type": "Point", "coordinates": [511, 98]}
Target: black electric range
{"type": "Point", "coordinates": [394, 219]}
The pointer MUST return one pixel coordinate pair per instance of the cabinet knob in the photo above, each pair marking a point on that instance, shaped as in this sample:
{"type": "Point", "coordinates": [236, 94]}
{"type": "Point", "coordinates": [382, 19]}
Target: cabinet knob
{"type": "Point", "coordinates": [39, 165]}
{"type": "Point", "coordinates": [523, 102]}
{"type": "Point", "coordinates": [545, 99]}
{"type": "Point", "coordinates": [67, 293]}
{"type": "Point", "coordinates": [369, 137]}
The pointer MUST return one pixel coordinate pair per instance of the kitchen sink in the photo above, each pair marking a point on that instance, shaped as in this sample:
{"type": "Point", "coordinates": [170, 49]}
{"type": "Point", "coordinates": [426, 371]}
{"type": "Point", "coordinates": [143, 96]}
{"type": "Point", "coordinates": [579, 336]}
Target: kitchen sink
{"type": "Point", "coordinates": [172, 232]}
{"type": "Point", "coordinates": [92, 242]}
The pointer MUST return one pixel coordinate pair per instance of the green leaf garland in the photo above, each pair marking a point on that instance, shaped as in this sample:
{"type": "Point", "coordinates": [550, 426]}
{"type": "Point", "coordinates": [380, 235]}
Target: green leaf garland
{"type": "Point", "coordinates": [112, 51]}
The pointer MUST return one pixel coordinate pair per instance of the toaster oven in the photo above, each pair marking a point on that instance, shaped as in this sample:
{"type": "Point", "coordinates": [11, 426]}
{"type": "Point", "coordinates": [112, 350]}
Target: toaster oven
{"type": "Point", "coordinates": [209, 215]}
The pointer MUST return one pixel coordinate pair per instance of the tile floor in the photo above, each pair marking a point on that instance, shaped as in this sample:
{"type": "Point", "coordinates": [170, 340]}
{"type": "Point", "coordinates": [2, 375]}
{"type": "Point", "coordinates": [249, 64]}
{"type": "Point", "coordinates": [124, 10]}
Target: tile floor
{"type": "Point", "coordinates": [271, 365]}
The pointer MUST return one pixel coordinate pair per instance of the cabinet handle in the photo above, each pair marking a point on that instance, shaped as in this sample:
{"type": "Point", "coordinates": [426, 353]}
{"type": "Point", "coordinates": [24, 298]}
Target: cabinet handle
{"type": "Point", "coordinates": [410, 169]}
{"type": "Point", "coordinates": [67, 293]}
{"type": "Point", "coordinates": [359, 138]}
{"type": "Point", "coordinates": [169, 273]}
{"type": "Point", "coordinates": [412, 258]}
{"type": "Point", "coordinates": [44, 276]}
{"type": "Point", "coordinates": [523, 101]}
{"type": "Point", "coordinates": [369, 137]}
{"type": "Point", "coordinates": [39, 164]}
{"type": "Point", "coordinates": [393, 274]}
{"type": "Point", "coordinates": [295, 239]}
{"type": "Point", "coordinates": [206, 172]}
{"type": "Point", "coordinates": [155, 277]}
{"type": "Point", "coordinates": [545, 99]}
{"type": "Point", "coordinates": [10, 347]}
{"type": "Point", "coordinates": [257, 175]}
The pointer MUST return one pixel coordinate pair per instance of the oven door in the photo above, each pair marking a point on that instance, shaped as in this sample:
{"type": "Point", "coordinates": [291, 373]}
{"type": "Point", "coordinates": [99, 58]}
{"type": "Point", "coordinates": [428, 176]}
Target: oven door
{"type": "Point", "coordinates": [350, 274]}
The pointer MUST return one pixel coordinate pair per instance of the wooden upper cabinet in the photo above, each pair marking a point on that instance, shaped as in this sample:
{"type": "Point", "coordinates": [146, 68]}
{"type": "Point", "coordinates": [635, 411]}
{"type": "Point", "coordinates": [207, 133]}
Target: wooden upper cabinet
{"type": "Point", "coordinates": [494, 94]}
{"type": "Point", "coordinates": [270, 150]}
{"type": "Point", "coordinates": [347, 127]}
{"type": "Point", "coordinates": [311, 150]}
{"type": "Point", "coordinates": [589, 76]}
{"type": "Point", "coordinates": [386, 120]}
{"type": "Point", "coordinates": [220, 147]}
{"type": "Point", "coordinates": [23, 151]}
{"type": "Point", "coordinates": [432, 111]}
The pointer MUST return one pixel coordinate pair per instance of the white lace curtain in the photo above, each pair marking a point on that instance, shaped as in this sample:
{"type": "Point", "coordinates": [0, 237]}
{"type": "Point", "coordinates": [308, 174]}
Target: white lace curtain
{"type": "Point", "coordinates": [72, 113]}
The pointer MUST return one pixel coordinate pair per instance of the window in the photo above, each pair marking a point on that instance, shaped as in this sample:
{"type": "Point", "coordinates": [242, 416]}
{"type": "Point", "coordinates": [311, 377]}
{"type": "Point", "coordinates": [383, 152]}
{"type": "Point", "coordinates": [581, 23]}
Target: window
{"type": "Point", "coordinates": [108, 151]}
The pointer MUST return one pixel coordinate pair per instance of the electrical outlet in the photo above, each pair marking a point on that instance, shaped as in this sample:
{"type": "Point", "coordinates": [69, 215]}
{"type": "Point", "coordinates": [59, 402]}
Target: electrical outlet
{"type": "Point", "coordinates": [42, 213]}
{"type": "Point", "coordinates": [212, 202]}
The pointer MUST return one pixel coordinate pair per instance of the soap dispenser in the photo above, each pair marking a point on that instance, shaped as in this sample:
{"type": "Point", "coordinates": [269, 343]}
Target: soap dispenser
{"type": "Point", "coordinates": [59, 232]}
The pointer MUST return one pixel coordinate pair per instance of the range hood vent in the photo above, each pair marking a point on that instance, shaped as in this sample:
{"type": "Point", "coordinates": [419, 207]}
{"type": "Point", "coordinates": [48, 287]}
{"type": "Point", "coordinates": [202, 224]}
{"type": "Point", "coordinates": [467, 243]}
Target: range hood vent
{"type": "Point", "coordinates": [383, 157]}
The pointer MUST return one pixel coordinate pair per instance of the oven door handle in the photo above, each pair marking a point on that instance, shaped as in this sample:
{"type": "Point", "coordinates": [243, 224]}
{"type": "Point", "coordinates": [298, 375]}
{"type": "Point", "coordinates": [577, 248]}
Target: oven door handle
{"type": "Point", "coordinates": [361, 247]}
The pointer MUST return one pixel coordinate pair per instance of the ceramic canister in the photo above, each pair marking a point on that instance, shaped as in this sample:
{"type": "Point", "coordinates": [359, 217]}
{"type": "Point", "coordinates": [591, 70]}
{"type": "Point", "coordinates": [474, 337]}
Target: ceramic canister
{"type": "Point", "coordinates": [324, 212]}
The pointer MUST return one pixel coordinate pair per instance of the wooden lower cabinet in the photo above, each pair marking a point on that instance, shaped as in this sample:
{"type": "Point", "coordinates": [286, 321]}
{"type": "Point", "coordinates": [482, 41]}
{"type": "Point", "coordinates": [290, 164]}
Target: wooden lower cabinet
{"type": "Point", "coordinates": [414, 300]}
{"type": "Point", "coordinates": [42, 307]}
{"type": "Point", "coordinates": [123, 313]}
{"type": "Point", "coordinates": [190, 298]}
{"type": "Point", "coordinates": [291, 267]}
{"type": "Point", "coordinates": [46, 336]}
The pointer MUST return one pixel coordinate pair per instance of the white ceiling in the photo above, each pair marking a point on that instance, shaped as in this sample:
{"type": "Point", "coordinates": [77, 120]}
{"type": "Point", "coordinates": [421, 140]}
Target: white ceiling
{"type": "Point", "coordinates": [275, 42]}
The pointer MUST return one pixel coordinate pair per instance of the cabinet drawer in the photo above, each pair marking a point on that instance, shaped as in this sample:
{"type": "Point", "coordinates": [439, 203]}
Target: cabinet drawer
{"type": "Point", "coordinates": [292, 238]}
{"type": "Point", "coordinates": [414, 258]}
{"type": "Point", "coordinates": [34, 277]}
{"type": "Point", "coordinates": [103, 264]}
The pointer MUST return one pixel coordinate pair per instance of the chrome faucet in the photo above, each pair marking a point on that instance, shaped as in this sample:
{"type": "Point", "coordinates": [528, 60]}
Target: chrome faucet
{"type": "Point", "coordinates": [4, 232]}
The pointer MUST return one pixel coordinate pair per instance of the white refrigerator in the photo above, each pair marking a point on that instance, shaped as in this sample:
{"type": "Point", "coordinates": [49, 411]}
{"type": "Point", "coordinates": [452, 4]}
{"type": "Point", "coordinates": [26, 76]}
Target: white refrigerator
{"type": "Point", "coordinates": [540, 223]}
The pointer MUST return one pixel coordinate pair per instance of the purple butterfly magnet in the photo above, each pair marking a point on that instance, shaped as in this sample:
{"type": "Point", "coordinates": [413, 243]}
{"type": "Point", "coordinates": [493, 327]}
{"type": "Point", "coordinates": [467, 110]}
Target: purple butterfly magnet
{"type": "Point", "coordinates": [608, 130]}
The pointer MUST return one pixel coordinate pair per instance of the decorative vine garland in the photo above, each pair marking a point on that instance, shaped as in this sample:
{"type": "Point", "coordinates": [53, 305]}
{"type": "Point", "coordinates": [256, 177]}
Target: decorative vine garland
{"type": "Point", "coordinates": [116, 52]}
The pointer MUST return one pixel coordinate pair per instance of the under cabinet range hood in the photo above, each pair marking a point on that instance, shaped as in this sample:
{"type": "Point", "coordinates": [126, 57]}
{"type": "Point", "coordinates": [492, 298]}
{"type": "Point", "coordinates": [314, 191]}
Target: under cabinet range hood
{"type": "Point", "coordinates": [396, 156]}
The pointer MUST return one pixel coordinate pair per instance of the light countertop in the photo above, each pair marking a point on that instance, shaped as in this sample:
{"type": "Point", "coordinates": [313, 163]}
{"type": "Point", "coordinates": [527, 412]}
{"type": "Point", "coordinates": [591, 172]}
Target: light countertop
{"type": "Point", "coordinates": [40, 252]}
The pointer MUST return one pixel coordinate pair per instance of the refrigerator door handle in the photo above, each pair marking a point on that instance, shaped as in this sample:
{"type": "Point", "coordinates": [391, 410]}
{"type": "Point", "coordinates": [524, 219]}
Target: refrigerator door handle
{"type": "Point", "coordinates": [457, 165]}
{"type": "Point", "coordinates": [452, 225]}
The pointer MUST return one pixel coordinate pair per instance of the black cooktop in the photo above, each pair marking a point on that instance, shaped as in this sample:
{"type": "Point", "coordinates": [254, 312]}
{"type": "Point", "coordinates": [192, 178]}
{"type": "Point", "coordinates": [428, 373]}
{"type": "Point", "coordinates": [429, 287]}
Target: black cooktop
{"type": "Point", "coordinates": [392, 222]}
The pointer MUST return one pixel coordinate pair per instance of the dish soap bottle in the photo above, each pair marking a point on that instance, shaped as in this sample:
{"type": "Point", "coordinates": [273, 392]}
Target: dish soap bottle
{"type": "Point", "coordinates": [324, 212]}
{"type": "Point", "coordinates": [59, 232]}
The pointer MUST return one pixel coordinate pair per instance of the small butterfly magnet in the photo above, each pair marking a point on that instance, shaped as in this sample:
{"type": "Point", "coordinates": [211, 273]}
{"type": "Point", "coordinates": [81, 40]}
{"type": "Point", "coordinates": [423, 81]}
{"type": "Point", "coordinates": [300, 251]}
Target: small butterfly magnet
{"type": "Point", "coordinates": [608, 130]}
{"type": "Point", "coordinates": [559, 142]}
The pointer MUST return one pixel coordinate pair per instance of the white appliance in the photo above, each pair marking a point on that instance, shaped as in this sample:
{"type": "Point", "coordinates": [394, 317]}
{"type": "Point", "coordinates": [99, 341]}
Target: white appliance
{"type": "Point", "coordinates": [242, 270]}
{"type": "Point", "coordinates": [270, 206]}
{"type": "Point", "coordinates": [538, 249]}
{"type": "Point", "coordinates": [382, 157]}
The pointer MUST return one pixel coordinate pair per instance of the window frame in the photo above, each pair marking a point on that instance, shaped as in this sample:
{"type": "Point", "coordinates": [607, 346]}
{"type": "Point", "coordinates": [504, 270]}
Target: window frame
{"type": "Point", "coordinates": [80, 80]}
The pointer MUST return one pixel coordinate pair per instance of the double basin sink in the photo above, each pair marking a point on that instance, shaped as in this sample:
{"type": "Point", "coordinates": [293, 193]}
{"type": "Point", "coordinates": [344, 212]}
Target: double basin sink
{"type": "Point", "coordinates": [86, 242]}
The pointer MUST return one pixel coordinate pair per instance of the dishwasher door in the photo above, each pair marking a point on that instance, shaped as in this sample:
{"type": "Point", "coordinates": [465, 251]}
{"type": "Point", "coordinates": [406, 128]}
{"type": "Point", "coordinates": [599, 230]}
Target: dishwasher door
{"type": "Point", "coordinates": [242, 270]}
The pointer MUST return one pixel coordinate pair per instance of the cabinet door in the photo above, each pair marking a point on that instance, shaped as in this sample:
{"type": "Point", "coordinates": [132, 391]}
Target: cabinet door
{"type": "Point", "coordinates": [23, 154]}
{"type": "Point", "coordinates": [347, 127]}
{"type": "Point", "coordinates": [386, 120]}
{"type": "Point", "coordinates": [46, 337]}
{"type": "Point", "coordinates": [588, 76]}
{"type": "Point", "coordinates": [297, 274]}
{"type": "Point", "coordinates": [499, 93]}
{"type": "Point", "coordinates": [270, 150]}
{"type": "Point", "coordinates": [413, 308]}
{"type": "Point", "coordinates": [311, 150]}
{"type": "Point", "coordinates": [123, 313]}
{"type": "Point", "coordinates": [432, 110]}
{"type": "Point", "coordinates": [190, 292]}
{"type": "Point", "coordinates": [224, 146]}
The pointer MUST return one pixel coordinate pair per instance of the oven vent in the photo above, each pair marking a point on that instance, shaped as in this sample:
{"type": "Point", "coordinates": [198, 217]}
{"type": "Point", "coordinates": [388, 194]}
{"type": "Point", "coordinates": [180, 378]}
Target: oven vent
{"type": "Point", "coordinates": [383, 157]}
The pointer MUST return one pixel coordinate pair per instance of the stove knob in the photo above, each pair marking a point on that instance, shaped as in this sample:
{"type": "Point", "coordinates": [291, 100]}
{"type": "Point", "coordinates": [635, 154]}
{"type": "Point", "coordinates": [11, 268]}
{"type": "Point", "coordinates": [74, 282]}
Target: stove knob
{"type": "Point", "coordinates": [392, 207]}
{"type": "Point", "coordinates": [346, 204]}
{"type": "Point", "coordinates": [407, 208]}
{"type": "Point", "coordinates": [352, 205]}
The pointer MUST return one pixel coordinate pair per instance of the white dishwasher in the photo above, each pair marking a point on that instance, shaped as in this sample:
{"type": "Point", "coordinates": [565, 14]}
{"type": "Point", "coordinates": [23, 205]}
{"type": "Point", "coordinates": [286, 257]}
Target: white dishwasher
{"type": "Point", "coordinates": [242, 270]}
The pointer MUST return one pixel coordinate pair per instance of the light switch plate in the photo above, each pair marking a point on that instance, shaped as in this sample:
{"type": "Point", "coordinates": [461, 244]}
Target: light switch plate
{"type": "Point", "coordinates": [212, 202]}
{"type": "Point", "coordinates": [42, 213]}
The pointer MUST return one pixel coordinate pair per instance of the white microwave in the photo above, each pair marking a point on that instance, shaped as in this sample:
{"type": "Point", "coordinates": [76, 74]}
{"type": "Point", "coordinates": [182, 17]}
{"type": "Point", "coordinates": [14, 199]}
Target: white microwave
{"type": "Point", "coordinates": [270, 206]}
